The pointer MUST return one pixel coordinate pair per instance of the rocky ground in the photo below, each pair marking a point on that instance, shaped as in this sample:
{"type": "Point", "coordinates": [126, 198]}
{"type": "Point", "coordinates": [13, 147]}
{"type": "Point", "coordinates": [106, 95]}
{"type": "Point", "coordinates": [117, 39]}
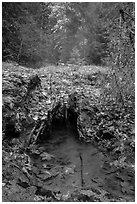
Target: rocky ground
{"type": "Point", "coordinates": [34, 102]}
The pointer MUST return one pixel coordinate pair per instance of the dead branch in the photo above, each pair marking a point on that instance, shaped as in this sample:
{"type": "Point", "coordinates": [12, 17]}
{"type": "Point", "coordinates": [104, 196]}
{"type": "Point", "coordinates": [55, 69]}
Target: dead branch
{"type": "Point", "coordinates": [81, 161]}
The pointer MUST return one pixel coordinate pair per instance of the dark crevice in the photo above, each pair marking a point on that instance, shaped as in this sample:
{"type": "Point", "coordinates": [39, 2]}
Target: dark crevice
{"type": "Point", "coordinates": [57, 120]}
{"type": "Point", "coordinates": [10, 130]}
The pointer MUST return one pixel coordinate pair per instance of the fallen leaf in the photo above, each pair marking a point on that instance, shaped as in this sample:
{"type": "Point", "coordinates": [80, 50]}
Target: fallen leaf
{"type": "Point", "coordinates": [126, 188]}
{"type": "Point", "coordinates": [46, 156]}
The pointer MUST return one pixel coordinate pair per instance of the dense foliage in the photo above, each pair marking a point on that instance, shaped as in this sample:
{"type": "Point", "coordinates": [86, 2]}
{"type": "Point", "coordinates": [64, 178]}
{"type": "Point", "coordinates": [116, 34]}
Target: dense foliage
{"type": "Point", "coordinates": [25, 32]}
{"type": "Point", "coordinates": [68, 32]}
{"type": "Point", "coordinates": [120, 22]}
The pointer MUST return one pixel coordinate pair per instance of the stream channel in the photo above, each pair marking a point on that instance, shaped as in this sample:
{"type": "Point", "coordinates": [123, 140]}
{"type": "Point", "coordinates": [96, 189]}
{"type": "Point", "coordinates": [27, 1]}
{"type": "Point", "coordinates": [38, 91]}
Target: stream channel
{"type": "Point", "coordinates": [60, 168]}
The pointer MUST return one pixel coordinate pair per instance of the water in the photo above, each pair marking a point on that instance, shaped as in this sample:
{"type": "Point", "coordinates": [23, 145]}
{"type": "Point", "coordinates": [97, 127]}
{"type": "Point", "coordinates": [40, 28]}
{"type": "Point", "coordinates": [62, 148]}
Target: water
{"type": "Point", "coordinates": [63, 174]}
{"type": "Point", "coordinates": [66, 149]}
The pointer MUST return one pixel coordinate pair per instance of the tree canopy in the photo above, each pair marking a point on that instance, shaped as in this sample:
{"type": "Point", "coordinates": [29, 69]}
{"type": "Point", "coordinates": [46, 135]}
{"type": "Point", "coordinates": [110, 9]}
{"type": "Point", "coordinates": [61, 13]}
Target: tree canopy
{"type": "Point", "coordinates": [68, 32]}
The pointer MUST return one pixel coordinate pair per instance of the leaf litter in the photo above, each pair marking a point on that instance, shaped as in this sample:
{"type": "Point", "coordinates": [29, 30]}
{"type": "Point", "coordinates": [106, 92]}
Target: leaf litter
{"type": "Point", "coordinates": [112, 127]}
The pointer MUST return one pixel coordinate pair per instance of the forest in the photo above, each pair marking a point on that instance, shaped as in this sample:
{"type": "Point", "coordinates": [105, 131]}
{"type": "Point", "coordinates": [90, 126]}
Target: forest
{"type": "Point", "coordinates": [68, 101]}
